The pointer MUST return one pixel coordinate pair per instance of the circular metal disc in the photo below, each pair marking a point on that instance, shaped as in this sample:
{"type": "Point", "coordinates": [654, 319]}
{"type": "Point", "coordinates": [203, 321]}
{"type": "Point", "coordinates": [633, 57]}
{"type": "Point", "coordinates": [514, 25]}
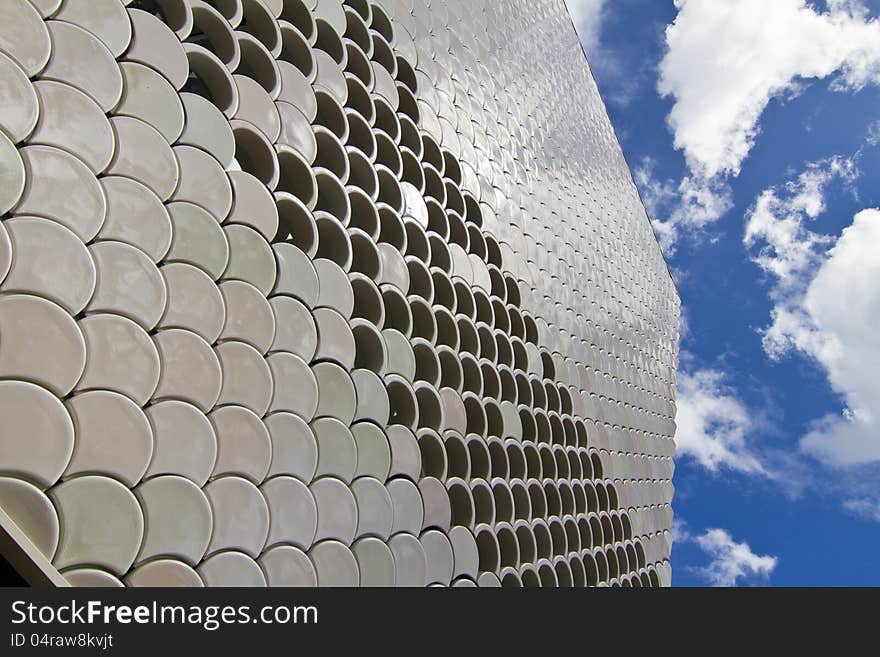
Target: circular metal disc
{"type": "Point", "coordinates": [41, 343]}
{"type": "Point", "coordinates": [101, 524]}
{"type": "Point", "coordinates": [20, 109]}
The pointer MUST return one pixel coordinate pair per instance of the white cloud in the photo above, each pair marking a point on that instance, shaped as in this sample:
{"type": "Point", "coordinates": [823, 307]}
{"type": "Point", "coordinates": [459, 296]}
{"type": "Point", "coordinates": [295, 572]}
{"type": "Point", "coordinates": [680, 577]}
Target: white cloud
{"type": "Point", "coordinates": [827, 306]}
{"type": "Point", "coordinates": [727, 59]}
{"type": "Point", "coordinates": [776, 224]}
{"type": "Point", "coordinates": [713, 424]}
{"type": "Point", "coordinates": [681, 533]}
{"type": "Point", "coordinates": [620, 83]}
{"type": "Point", "coordinates": [690, 205]}
{"type": "Point", "coordinates": [684, 325]}
{"type": "Point", "coordinates": [587, 16]}
{"type": "Point", "coordinates": [864, 507]}
{"type": "Point", "coordinates": [842, 304]}
{"type": "Point", "coordinates": [731, 561]}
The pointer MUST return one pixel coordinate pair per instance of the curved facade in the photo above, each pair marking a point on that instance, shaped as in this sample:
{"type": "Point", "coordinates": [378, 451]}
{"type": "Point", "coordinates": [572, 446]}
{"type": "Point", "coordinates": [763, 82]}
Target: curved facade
{"type": "Point", "coordinates": [304, 292]}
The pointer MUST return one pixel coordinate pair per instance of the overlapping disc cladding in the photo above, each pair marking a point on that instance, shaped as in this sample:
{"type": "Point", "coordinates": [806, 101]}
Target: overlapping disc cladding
{"type": "Point", "coordinates": [302, 292]}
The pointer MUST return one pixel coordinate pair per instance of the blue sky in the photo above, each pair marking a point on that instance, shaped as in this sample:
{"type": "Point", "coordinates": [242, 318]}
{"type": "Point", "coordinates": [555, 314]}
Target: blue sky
{"type": "Point", "coordinates": [753, 131]}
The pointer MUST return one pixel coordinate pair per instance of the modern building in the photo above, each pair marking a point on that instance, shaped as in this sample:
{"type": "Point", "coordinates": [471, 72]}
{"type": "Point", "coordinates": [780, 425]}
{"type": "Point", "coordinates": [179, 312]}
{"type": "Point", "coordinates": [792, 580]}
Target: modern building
{"type": "Point", "coordinates": [310, 292]}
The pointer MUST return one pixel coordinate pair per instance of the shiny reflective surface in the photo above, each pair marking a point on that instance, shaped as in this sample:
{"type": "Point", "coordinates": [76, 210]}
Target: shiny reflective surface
{"type": "Point", "coordinates": [385, 310]}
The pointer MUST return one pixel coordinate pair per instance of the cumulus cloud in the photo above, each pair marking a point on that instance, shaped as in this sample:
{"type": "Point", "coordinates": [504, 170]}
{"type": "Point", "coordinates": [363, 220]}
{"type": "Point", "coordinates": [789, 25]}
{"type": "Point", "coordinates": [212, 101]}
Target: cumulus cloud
{"type": "Point", "coordinates": [727, 59]}
{"type": "Point", "coordinates": [731, 561]}
{"type": "Point", "coordinates": [842, 305]}
{"type": "Point", "coordinates": [713, 424]}
{"type": "Point", "coordinates": [689, 205]}
{"type": "Point", "coordinates": [587, 16]}
{"type": "Point", "coordinates": [780, 239]}
{"type": "Point", "coordinates": [777, 230]}
{"type": "Point", "coordinates": [827, 305]}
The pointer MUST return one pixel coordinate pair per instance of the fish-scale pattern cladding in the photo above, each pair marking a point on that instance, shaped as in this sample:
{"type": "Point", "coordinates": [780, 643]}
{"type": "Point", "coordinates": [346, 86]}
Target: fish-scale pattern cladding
{"type": "Point", "coordinates": [310, 292]}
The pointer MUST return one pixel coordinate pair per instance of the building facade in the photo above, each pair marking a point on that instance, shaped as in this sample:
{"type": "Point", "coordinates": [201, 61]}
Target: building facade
{"type": "Point", "coordinates": [310, 292]}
